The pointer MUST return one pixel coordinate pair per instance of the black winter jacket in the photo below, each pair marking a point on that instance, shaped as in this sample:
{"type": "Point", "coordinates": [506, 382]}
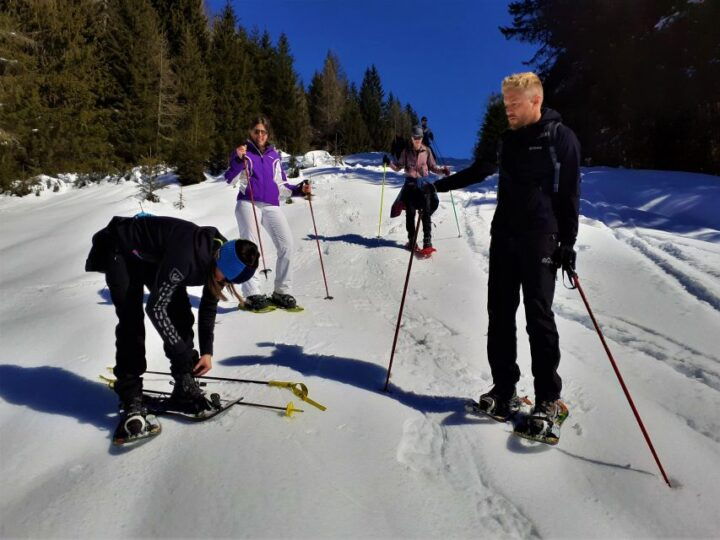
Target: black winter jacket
{"type": "Point", "coordinates": [183, 253]}
{"type": "Point", "coordinates": [526, 199]}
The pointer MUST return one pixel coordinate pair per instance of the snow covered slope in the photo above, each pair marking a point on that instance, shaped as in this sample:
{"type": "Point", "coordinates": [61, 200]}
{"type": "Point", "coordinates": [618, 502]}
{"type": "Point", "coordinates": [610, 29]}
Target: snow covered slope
{"type": "Point", "coordinates": [408, 463]}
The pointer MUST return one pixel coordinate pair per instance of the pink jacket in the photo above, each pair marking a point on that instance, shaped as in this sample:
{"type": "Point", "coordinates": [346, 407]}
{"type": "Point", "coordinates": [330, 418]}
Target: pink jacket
{"type": "Point", "coordinates": [416, 164]}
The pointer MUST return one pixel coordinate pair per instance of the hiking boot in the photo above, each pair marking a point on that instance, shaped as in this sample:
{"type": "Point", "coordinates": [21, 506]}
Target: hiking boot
{"type": "Point", "coordinates": [499, 406]}
{"type": "Point", "coordinates": [188, 397]}
{"type": "Point", "coordinates": [284, 301]}
{"type": "Point", "coordinates": [551, 412]}
{"type": "Point", "coordinates": [257, 302]}
{"type": "Point", "coordinates": [543, 423]}
{"type": "Point", "coordinates": [134, 413]}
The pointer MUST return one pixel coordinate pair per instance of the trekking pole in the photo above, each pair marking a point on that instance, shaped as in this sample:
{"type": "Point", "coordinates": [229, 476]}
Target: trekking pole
{"type": "Point", "coordinates": [402, 302]}
{"type": "Point", "coordinates": [620, 379]}
{"type": "Point", "coordinates": [289, 409]}
{"type": "Point", "coordinates": [322, 266]}
{"type": "Point", "coordinates": [299, 389]}
{"type": "Point", "coordinates": [452, 199]}
{"type": "Point", "coordinates": [265, 269]}
{"type": "Point", "coordinates": [382, 195]}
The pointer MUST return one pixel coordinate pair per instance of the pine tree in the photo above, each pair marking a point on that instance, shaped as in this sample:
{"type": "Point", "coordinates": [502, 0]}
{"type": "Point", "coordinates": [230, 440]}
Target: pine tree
{"type": "Point", "coordinates": [179, 16]}
{"type": "Point", "coordinates": [71, 127]}
{"type": "Point", "coordinates": [327, 99]}
{"type": "Point", "coordinates": [286, 101]}
{"type": "Point", "coordinates": [396, 122]}
{"type": "Point", "coordinates": [493, 125]}
{"type": "Point", "coordinates": [604, 63]}
{"type": "Point", "coordinates": [191, 149]}
{"type": "Point", "coordinates": [371, 106]}
{"type": "Point", "coordinates": [235, 92]}
{"type": "Point", "coordinates": [299, 129]}
{"type": "Point", "coordinates": [352, 128]}
{"type": "Point", "coordinates": [20, 101]}
{"type": "Point", "coordinates": [411, 115]}
{"type": "Point", "coordinates": [141, 96]}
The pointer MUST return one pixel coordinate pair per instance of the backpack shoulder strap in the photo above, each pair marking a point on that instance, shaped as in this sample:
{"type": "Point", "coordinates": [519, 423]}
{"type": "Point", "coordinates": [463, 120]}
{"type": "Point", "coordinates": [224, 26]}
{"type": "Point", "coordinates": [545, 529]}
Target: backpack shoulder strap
{"type": "Point", "coordinates": [551, 132]}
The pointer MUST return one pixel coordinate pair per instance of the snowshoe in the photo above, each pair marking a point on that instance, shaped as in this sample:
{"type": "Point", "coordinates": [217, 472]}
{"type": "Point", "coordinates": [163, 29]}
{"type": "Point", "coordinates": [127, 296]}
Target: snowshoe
{"type": "Point", "coordinates": [135, 424]}
{"type": "Point", "coordinates": [189, 399]}
{"type": "Point", "coordinates": [257, 303]}
{"type": "Point", "coordinates": [162, 405]}
{"type": "Point", "coordinates": [544, 422]}
{"type": "Point", "coordinates": [498, 408]}
{"type": "Point", "coordinates": [286, 302]}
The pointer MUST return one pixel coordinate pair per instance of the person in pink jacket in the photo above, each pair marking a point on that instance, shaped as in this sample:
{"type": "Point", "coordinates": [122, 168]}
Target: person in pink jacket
{"type": "Point", "coordinates": [417, 194]}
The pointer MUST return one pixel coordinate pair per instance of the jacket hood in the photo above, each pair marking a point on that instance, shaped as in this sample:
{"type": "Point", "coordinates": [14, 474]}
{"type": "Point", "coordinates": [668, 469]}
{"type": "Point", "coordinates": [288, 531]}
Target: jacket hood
{"type": "Point", "coordinates": [549, 115]}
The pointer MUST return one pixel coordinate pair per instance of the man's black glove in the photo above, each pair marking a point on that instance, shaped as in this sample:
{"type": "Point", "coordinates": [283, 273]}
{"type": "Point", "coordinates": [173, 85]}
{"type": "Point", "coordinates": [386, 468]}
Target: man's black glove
{"type": "Point", "coordinates": [565, 257]}
{"type": "Point", "coordinates": [386, 160]}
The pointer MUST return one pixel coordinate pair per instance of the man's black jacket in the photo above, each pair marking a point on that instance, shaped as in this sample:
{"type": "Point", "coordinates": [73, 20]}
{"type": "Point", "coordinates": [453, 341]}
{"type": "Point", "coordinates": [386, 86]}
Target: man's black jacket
{"type": "Point", "coordinates": [526, 199]}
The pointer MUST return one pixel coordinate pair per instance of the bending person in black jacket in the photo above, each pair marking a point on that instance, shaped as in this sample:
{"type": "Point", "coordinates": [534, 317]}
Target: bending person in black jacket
{"type": "Point", "coordinates": [166, 255]}
{"type": "Point", "coordinates": [533, 234]}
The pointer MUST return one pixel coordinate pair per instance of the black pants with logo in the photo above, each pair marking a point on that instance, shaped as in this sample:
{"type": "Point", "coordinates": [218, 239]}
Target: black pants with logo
{"type": "Point", "coordinates": [523, 263]}
{"type": "Point", "coordinates": [126, 277]}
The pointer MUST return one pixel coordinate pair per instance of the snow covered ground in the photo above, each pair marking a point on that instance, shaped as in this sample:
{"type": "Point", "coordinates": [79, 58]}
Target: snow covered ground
{"type": "Point", "coordinates": [408, 463]}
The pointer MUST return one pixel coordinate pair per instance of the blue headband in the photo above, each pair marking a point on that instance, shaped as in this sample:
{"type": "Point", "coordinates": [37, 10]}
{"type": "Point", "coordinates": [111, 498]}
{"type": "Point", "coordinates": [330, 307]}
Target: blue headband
{"type": "Point", "coordinates": [231, 266]}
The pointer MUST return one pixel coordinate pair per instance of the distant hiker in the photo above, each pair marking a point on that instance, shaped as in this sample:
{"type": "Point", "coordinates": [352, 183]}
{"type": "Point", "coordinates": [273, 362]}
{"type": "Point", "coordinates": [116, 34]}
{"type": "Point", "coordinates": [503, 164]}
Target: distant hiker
{"type": "Point", "coordinates": [268, 184]}
{"type": "Point", "coordinates": [166, 255]}
{"type": "Point", "coordinates": [428, 136]}
{"type": "Point", "coordinates": [417, 194]}
{"type": "Point", "coordinates": [533, 234]}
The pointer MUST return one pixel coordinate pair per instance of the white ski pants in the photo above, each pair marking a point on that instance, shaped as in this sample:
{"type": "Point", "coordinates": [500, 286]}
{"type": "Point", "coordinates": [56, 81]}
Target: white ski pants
{"type": "Point", "coordinates": [272, 219]}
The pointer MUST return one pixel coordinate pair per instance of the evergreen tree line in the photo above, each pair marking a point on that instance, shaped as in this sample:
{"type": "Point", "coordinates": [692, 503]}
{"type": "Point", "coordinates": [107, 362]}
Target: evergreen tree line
{"type": "Point", "coordinates": [638, 81]}
{"type": "Point", "coordinates": [97, 87]}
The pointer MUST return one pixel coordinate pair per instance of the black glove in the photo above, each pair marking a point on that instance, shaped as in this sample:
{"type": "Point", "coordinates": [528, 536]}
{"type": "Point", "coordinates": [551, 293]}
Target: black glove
{"type": "Point", "coordinates": [565, 257]}
{"type": "Point", "coordinates": [386, 160]}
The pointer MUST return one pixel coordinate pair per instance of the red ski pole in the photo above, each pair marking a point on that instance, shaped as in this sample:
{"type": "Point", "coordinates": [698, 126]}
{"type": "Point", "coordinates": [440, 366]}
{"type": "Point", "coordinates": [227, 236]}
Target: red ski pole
{"type": "Point", "coordinates": [265, 269]}
{"type": "Point", "coordinates": [322, 266]}
{"type": "Point", "coordinates": [402, 302]}
{"type": "Point", "coordinates": [622, 382]}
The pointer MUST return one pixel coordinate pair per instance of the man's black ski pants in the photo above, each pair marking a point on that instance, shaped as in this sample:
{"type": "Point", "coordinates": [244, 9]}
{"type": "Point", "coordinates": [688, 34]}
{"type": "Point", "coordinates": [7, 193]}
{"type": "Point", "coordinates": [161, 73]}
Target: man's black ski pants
{"type": "Point", "coordinates": [523, 262]}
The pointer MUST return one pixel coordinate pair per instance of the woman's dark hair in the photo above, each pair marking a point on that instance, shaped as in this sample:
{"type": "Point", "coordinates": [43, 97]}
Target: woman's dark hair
{"type": "Point", "coordinates": [255, 120]}
{"type": "Point", "coordinates": [248, 253]}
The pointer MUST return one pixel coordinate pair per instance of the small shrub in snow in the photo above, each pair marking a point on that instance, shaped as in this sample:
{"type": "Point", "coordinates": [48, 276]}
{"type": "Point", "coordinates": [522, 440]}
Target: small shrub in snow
{"type": "Point", "coordinates": [148, 179]}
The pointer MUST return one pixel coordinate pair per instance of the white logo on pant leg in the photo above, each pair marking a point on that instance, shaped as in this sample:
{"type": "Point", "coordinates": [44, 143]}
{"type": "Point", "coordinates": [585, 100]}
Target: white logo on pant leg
{"type": "Point", "coordinates": [547, 260]}
{"type": "Point", "coordinates": [176, 276]}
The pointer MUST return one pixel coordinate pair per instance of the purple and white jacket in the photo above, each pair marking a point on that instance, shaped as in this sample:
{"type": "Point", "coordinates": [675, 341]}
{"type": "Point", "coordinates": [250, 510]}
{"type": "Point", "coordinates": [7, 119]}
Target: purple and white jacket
{"type": "Point", "coordinates": [267, 179]}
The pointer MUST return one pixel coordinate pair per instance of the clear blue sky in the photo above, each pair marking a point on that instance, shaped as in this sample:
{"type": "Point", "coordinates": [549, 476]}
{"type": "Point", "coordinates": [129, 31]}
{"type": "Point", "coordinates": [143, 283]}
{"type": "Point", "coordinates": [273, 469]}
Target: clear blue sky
{"type": "Point", "coordinates": [444, 57]}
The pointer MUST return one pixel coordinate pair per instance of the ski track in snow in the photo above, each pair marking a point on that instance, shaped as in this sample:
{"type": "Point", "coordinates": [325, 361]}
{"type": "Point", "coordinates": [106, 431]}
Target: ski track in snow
{"type": "Point", "coordinates": [688, 278]}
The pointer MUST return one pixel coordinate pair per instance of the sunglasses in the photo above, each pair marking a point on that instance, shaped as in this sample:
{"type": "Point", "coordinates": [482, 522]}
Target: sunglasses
{"type": "Point", "coordinates": [260, 132]}
{"type": "Point", "coordinates": [417, 138]}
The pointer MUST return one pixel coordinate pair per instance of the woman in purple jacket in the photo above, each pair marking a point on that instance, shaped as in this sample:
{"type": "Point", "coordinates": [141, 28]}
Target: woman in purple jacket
{"type": "Point", "coordinates": [259, 161]}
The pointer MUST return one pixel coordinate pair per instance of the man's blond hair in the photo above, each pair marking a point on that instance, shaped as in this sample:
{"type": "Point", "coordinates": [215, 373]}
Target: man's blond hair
{"type": "Point", "coordinates": [523, 81]}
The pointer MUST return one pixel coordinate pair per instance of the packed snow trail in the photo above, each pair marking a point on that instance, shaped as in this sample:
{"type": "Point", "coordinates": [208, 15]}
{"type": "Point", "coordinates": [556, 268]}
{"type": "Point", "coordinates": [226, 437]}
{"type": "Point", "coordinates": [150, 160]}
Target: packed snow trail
{"type": "Point", "coordinates": [408, 463]}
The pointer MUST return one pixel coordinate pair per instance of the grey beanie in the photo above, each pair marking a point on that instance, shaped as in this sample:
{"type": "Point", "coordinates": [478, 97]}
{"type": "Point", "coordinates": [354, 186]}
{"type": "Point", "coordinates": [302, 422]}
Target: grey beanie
{"type": "Point", "coordinates": [417, 132]}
